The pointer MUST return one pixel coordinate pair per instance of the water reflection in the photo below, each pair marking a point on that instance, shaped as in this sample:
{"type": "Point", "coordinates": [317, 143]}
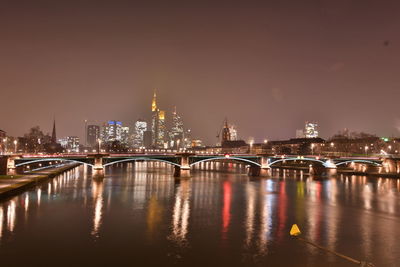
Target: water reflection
{"type": "Point", "coordinates": [226, 209]}
{"type": "Point", "coordinates": [97, 194]}
{"type": "Point", "coordinates": [1, 222]}
{"type": "Point", "coordinates": [250, 212]}
{"type": "Point", "coordinates": [181, 213]}
{"type": "Point", "coordinates": [11, 218]}
{"type": "Point", "coordinates": [148, 213]}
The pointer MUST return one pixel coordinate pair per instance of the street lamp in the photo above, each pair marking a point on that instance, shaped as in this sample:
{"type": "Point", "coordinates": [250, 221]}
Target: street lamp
{"type": "Point", "coordinates": [251, 145]}
{"type": "Point", "coordinates": [15, 145]}
{"type": "Point", "coordinates": [312, 149]}
{"type": "Point", "coordinates": [366, 150]}
{"type": "Point", "coordinates": [99, 145]}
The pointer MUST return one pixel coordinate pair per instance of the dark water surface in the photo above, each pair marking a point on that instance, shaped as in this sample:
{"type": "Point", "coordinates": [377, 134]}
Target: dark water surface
{"type": "Point", "coordinates": [140, 216]}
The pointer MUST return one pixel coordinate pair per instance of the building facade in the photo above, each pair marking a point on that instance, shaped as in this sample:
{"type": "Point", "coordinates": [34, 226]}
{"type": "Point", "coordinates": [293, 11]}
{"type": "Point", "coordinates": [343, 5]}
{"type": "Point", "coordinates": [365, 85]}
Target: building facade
{"type": "Point", "coordinates": [311, 130]}
{"type": "Point", "coordinates": [111, 131]}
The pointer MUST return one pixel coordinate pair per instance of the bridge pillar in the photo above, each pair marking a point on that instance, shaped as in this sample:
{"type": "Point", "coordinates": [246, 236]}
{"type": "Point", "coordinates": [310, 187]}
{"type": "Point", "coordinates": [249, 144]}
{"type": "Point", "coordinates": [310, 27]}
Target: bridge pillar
{"type": "Point", "coordinates": [183, 171]}
{"type": "Point", "coordinates": [316, 170]}
{"type": "Point", "coordinates": [8, 165]}
{"type": "Point", "coordinates": [98, 169]}
{"type": "Point", "coordinates": [265, 169]}
{"type": "Point", "coordinates": [331, 168]}
{"type": "Point", "coordinates": [254, 170]}
{"type": "Point", "coordinates": [390, 165]}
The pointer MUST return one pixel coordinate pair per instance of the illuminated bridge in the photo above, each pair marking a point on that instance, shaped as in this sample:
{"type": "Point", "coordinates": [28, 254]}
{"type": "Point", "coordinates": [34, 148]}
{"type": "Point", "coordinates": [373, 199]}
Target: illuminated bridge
{"type": "Point", "coordinates": [259, 165]}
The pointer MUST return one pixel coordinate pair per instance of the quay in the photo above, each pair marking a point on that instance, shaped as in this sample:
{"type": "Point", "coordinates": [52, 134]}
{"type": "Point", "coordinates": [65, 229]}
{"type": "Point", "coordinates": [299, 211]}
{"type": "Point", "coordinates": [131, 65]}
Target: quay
{"type": "Point", "coordinates": [11, 185]}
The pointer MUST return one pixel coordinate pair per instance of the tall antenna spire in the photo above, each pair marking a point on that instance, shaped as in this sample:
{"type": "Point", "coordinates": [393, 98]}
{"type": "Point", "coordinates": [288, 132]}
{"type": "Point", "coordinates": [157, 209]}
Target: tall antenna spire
{"type": "Point", "coordinates": [154, 102]}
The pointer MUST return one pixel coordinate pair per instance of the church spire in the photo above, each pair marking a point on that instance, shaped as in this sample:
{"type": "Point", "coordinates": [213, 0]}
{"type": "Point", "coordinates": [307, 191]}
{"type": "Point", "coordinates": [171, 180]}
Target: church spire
{"type": "Point", "coordinates": [154, 102]}
{"type": "Point", "coordinates": [53, 135]}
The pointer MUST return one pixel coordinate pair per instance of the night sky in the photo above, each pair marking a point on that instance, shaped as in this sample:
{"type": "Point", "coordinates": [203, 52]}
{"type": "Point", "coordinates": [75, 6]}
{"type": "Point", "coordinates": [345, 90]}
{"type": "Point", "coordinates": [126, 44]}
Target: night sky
{"type": "Point", "coordinates": [267, 66]}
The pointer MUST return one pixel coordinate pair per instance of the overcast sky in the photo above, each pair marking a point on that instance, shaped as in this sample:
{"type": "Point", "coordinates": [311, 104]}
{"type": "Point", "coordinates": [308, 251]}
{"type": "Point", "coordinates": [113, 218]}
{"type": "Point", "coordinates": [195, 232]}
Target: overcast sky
{"type": "Point", "coordinates": [267, 67]}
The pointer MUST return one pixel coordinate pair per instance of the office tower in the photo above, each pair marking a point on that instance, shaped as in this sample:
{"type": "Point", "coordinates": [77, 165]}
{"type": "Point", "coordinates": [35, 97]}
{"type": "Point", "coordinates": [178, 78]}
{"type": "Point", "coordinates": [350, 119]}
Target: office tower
{"type": "Point", "coordinates": [93, 134]}
{"type": "Point", "coordinates": [311, 130]}
{"type": "Point", "coordinates": [140, 128]}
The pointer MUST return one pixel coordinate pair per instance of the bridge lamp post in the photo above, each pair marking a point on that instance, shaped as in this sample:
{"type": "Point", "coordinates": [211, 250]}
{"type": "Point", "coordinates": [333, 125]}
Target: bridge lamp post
{"type": "Point", "coordinates": [15, 145]}
{"type": "Point", "coordinates": [251, 145]}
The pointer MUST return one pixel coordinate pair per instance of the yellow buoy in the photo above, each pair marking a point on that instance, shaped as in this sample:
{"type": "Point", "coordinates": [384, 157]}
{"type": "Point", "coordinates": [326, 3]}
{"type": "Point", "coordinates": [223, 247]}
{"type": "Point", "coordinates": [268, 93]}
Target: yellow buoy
{"type": "Point", "coordinates": [295, 231]}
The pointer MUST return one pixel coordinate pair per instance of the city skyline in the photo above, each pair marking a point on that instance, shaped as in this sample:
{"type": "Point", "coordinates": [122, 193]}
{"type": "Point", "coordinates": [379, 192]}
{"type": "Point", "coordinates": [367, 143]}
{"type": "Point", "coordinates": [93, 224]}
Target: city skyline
{"type": "Point", "coordinates": [169, 117]}
{"type": "Point", "coordinates": [251, 64]}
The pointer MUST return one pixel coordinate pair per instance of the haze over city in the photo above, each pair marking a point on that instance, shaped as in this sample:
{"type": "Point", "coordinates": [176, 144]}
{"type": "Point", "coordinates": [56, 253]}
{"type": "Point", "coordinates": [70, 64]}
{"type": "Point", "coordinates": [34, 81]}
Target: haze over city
{"type": "Point", "coordinates": [267, 67]}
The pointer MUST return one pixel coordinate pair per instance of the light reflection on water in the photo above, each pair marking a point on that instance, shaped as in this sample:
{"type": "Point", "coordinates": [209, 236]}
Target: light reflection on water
{"type": "Point", "coordinates": [142, 212]}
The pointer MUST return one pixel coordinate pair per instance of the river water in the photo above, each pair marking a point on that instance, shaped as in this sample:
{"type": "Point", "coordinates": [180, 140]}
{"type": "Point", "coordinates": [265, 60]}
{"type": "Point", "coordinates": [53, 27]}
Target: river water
{"type": "Point", "coordinates": [139, 215]}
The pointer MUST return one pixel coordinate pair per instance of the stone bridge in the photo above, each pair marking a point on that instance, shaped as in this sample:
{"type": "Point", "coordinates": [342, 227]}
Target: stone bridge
{"type": "Point", "coordinates": [259, 165]}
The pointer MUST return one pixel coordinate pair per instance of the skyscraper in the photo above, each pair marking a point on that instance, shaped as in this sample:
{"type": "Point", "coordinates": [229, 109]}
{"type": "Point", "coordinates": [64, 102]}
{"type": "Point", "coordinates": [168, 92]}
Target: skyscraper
{"type": "Point", "coordinates": [111, 131]}
{"type": "Point", "coordinates": [177, 132]}
{"type": "Point", "coordinates": [162, 129]}
{"type": "Point", "coordinates": [124, 135]}
{"type": "Point", "coordinates": [140, 128]}
{"type": "Point", "coordinates": [158, 127]}
{"type": "Point", "coordinates": [154, 120]}
{"type": "Point", "coordinates": [147, 139]}
{"type": "Point", "coordinates": [93, 134]}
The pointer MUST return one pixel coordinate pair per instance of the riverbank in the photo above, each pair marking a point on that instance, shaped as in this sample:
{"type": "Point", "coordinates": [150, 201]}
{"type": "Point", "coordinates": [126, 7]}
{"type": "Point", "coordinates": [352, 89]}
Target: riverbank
{"type": "Point", "coordinates": [345, 171]}
{"type": "Point", "coordinates": [14, 184]}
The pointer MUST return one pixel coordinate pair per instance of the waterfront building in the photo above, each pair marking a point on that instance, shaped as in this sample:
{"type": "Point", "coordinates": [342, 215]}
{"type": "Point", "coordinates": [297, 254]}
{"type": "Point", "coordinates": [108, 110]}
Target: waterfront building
{"type": "Point", "coordinates": [197, 143]}
{"type": "Point", "coordinates": [93, 134]}
{"type": "Point", "coordinates": [138, 136]}
{"type": "Point", "coordinates": [298, 146]}
{"type": "Point", "coordinates": [70, 143]}
{"type": "Point", "coordinates": [311, 130]}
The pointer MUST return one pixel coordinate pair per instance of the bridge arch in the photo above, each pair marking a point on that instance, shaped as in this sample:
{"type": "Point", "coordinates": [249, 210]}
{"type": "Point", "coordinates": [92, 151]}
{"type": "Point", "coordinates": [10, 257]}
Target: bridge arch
{"type": "Point", "coordinates": [51, 159]}
{"type": "Point", "coordinates": [142, 159]}
{"type": "Point", "coordinates": [294, 159]}
{"type": "Point", "coordinates": [359, 161]}
{"type": "Point", "coordinates": [229, 158]}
